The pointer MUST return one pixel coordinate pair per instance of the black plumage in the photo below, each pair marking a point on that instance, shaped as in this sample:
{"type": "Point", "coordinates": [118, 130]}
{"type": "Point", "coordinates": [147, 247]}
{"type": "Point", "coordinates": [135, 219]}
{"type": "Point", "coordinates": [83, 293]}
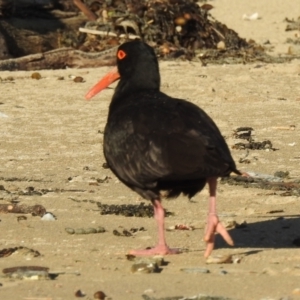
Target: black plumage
{"type": "Point", "coordinates": [153, 142]}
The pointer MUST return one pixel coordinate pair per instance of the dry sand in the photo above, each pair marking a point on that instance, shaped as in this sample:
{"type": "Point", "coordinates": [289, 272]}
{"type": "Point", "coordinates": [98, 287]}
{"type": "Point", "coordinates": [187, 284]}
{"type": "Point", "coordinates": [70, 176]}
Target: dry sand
{"type": "Point", "coordinates": [51, 135]}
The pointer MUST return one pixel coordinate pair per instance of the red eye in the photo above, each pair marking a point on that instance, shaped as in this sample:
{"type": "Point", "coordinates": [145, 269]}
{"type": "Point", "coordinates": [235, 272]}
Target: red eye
{"type": "Point", "coordinates": [121, 54]}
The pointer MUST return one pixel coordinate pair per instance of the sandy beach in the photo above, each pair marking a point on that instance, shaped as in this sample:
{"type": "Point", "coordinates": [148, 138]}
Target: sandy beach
{"type": "Point", "coordinates": [51, 155]}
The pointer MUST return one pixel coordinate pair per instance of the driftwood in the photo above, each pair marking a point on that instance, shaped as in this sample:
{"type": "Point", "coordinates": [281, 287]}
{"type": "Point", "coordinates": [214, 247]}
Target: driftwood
{"type": "Point", "coordinates": [109, 34]}
{"type": "Point", "coordinates": [4, 53]}
{"type": "Point", "coordinates": [31, 30]}
{"type": "Point", "coordinates": [60, 59]}
{"type": "Point", "coordinates": [26, 36]}
{"type": "Point", "coordinates": [89, 14]}
{"type": "Point", "coordinates": [24, 8]}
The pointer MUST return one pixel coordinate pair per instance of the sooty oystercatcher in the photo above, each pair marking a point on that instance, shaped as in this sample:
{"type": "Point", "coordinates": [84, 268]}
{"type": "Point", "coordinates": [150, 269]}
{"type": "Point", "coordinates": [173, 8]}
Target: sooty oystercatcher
{"type": "Point", "coordinates": [154, 143]}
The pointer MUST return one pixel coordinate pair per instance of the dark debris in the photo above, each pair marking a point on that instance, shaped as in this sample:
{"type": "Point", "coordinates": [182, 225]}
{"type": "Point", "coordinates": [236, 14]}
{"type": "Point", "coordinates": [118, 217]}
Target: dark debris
{"type": "Point", "coordinates": [282, 174]}
{"type": "Point", "coordinates": [245, 133]}
{"type": "Point", "coordinates": [126, 232]}
{"type": "Point", "coordinates": [168, 25]}
{"type": "Point", "coordinates": [9, 251]}
{"type": "Point", "coordinates": [291, 188]}
{"type": "Point", "coordinates": [129, 210]}
{"type": "Point", "coordinates": [175, 28]}
{"type": "Point", "coordinates": [34, 210]}
{"type": "Point", "coordinates": [292, 24]}
{"type": "Point", "coordinates": [264, 145]}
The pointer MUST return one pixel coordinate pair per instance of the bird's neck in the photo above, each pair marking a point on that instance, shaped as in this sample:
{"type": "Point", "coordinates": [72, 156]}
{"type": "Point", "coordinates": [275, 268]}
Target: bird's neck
{"type": "Point", "coordinates": [126, 98]}
{"type": "Point", "coordinates": [130, 87]}
{"type": "Point", "coordinates": [142, 76]}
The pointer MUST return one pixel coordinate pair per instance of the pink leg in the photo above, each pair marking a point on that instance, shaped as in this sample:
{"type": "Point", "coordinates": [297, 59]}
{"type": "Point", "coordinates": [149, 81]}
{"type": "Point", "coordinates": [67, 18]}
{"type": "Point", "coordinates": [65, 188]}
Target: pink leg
{"type": "Point", "coordinates": [161, 248]}
{"type": "Point", "coordinates": [213, 223]}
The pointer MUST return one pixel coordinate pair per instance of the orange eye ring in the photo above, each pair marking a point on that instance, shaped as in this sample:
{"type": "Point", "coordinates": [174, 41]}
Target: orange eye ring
{"type": "Point", "coordinates": [121, 54]}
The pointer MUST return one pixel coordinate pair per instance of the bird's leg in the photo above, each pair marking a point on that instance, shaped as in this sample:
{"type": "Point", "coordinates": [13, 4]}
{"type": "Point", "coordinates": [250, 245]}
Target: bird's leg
{"type": "Point", "coordinates": [213, 224]}
{"type": "Point", "coordinates": [161, 248]}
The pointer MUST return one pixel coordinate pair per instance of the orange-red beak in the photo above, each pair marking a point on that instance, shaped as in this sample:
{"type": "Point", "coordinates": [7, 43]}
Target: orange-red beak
{"type": "Point", "coordinates": [108, 79]}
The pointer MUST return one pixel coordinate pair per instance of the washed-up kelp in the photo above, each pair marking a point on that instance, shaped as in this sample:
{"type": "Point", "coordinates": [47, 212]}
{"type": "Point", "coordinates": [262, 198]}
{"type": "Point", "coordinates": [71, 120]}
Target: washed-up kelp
{"type": "Point", "coordinates": [168, 25]}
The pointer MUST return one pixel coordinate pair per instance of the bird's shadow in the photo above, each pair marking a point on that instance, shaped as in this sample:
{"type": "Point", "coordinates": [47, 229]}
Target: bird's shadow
{"type": "Point", "coordinates": [277, 232]}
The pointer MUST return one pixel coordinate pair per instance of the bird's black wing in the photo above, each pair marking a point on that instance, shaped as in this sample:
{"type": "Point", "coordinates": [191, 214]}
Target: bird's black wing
{"type": "Point", "coordinates": [153, 137]}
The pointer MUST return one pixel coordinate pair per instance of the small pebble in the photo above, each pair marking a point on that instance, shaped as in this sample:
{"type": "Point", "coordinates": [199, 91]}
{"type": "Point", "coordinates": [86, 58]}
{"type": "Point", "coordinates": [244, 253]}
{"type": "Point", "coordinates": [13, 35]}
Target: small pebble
{"type": "Point", "coordinates": [236, 225]}
{"type": "Point", "coordinates": [126, 233]}
{"type": "Point", "coordinates": [79, 294]}
{"type": "Point", "coordinates": [100, 229]}
{"type": "Point", "coordinates": [90, 230]}
{"type": "Point", "coordinates": [80, 231]}
{"type": "Point", "coordinates": [195, 270]}
{"type": "Point", "coordinates": [99, 295]}
{"type": "Point", "coordinates": [157, 259]}
{"type": "Point", "coordinates": [178, 28]}
{"type": "Point", "coordinates": [237, 260]}
{"type": "Point", "coordinates": [48, 217]}
{"type": "Point", "coordinates": [36, 76]}
{"type": "Point", "coordinates": [78, 79]}
{"type": "Point", "coordinates": [221, 45]}
{"type": "Point", "coordinates": [130, 257]}
{"type": "Point", "coordinates": [116, 232]}
{"type": "Point", "coordinates": [144, 268]}
{"type": "Point", "coordinates": [223, 272]}
{"type": "Point", "coordinates": [70, 230]}
{"type": "Point", "coordinates": [105, 166]}
{"type": "Point", "coordinates": [220, 259]}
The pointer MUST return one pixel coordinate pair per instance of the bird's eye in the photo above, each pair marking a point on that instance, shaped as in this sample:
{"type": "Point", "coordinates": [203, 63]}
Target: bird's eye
{"type": "Point", "coordinates": [121, 54]}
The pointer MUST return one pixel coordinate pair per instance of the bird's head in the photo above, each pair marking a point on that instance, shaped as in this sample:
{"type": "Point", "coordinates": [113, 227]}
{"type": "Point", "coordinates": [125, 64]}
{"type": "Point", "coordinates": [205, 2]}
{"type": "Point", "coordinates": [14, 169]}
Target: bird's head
{"type": "Point", "coordinates": [137, 69]}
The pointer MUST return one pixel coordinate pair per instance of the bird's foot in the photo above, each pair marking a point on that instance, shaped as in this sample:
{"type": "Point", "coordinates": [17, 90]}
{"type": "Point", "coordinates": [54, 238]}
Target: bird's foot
{"type": "Point", "coordinates": [157, 250]}
{"type": "Point", "coordinates": [214, 226]}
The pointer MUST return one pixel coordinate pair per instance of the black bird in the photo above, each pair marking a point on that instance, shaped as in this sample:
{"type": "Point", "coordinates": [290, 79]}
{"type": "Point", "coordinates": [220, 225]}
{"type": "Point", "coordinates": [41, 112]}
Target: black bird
{"type": "Point", "coordinates": [155, 143]}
